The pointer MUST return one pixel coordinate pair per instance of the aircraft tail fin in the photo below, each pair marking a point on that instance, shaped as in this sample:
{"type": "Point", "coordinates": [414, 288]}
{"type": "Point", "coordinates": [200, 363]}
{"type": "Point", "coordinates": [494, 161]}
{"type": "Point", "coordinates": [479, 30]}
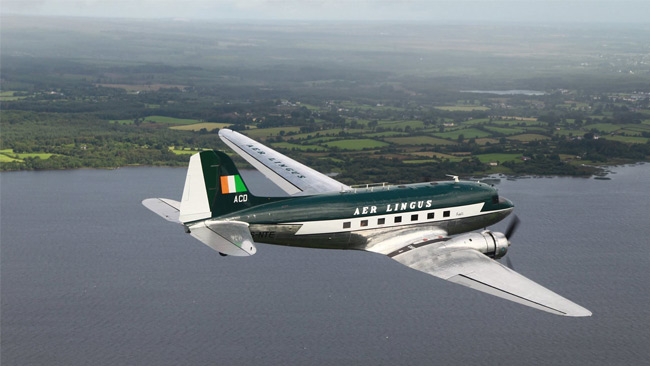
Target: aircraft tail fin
{"type": "Point", "coordinates": [213, 187]}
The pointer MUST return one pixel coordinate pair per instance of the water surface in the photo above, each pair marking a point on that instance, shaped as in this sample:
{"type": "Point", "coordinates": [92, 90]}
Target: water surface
{"type": "Point", "coordinates": [91, 277]}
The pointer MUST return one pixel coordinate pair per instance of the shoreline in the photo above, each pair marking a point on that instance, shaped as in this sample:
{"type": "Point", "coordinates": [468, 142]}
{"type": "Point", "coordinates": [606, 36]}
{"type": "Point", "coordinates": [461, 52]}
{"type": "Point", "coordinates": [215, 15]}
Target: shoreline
{"type": "Point", "coordinates": [603, 171]}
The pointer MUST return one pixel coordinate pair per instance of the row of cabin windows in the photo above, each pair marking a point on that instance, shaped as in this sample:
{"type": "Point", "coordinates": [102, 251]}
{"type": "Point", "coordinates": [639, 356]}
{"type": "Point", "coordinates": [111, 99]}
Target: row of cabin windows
{"type": "Point", "coordinates": [396, 219]}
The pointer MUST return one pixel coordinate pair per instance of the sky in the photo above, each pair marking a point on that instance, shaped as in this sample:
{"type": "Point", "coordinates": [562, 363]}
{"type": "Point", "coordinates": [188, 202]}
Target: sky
{"type": "Point", "coordinates": [578, 11]}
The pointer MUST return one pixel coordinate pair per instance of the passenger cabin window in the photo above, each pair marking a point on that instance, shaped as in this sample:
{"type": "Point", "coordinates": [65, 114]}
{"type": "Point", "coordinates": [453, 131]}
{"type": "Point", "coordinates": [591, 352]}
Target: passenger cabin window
{"type": "Point", "coordinates": [446, 214]}
{"type": "Point", "coordinates": [398, 219]}
{"type": "Point", "coordinates": [430, 215]}
{"type": "Point", "coordinates": [364, 223]}
{"type": "Point", "coordinates": [381, 221]}
{"type": "Point", "coordinates": [346, 225]}
{"type": "Point", "coordinates": [414, 217]}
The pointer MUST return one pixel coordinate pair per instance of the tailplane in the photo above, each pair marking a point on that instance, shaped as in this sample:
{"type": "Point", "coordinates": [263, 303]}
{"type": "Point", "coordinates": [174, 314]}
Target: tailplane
{"type": "Point", "coordinates": [213, 188]}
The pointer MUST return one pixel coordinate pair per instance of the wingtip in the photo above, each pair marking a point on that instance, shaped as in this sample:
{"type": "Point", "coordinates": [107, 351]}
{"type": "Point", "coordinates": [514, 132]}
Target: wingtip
{"type": "Point", "coordinates": [572, 309]}
{"type": "Point", "coordinates": [582, 312]}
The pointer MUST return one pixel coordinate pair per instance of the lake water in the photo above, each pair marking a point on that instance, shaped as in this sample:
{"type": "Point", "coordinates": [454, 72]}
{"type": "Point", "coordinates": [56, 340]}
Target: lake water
{"type": "Point", "coordinates": [91, 277]}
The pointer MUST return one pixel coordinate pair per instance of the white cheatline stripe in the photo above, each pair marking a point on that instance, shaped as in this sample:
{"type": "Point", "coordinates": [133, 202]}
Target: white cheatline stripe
{"type": "Point", "coordinates": [371, 222]}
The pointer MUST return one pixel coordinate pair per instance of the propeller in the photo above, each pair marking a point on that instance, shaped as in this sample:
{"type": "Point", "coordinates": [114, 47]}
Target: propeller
{"type": "Point", "coordinates": [512, 227]}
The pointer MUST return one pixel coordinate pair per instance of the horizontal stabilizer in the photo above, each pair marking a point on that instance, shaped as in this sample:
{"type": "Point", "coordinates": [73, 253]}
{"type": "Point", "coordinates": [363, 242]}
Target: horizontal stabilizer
{"type": "Point", "coordinates": [164, 207]}
{"type": "Point", "coordinates": [226, 237]}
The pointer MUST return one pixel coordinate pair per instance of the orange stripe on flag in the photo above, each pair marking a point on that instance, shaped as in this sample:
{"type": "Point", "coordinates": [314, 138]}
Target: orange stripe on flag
{"type": "Point", "coordinates": [224, 185]}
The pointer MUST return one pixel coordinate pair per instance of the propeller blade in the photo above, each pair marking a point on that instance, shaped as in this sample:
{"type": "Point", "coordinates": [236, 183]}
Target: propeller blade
{"type": "Point", "coordinates": [512, 227]}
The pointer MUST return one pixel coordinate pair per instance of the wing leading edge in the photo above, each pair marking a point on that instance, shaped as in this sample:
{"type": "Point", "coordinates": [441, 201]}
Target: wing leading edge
{"type": "Point", "coordinates": [291, 176]}
{"type": "Point", "coordinates": [473, 269]}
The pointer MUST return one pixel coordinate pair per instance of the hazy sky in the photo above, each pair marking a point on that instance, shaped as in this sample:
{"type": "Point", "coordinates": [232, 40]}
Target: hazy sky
{"type": "Point", "coordinates": [439, 10]}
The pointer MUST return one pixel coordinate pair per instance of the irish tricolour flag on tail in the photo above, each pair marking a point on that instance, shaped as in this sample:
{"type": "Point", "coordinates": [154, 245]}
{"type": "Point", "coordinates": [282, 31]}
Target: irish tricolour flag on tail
{"type": "Point", "coordinates": [232, 184]}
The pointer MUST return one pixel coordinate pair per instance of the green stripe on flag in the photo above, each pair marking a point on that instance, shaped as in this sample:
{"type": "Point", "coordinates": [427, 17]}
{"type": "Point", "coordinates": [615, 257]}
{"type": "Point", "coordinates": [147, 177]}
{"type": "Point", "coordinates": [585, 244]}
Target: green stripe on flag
{"type": "Point", "coordinates": [239, 184]}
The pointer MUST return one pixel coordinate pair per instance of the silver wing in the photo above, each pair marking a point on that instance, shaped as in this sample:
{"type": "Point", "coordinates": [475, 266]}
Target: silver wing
{"type": "Point", "coordinates": [469, 267]}
{"type": "Point", "coordinates": [291, 176]}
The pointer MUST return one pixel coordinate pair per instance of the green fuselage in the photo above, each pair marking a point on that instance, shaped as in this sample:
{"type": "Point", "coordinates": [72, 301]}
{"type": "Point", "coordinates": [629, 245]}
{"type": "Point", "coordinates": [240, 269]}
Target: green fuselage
{"type": "Point", "coordinates": [348, 220]}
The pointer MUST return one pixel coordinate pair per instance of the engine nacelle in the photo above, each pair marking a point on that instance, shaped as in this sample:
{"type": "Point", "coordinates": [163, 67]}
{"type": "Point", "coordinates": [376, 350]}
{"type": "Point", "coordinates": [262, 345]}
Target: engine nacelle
{"type": "Point", "coordinates": [493, 244]}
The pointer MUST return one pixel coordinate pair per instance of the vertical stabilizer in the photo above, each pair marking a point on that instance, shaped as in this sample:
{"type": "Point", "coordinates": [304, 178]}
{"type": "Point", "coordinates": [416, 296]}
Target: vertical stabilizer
{"type": "Point", "coordinates": [195, 205]}
{"type": "Point", "coordinates": [213, 187]}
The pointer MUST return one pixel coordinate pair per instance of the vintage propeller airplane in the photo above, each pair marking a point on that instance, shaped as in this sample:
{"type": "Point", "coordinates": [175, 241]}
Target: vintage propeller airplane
{"type": "Point", "coordinates": [411, 224]}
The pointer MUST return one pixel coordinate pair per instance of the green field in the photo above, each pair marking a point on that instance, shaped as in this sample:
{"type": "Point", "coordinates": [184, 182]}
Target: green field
{"type": "Point", "coordinates": [9, 153]}
{"type": "Point", "coordinates": [385, 134]}
{"type": "Point", "coordinates": [356, 144]}
{"type": "Point", "coordinates": [6, 159]}
{"type": "Point", "coordinates": [636, 128]}
{"type": "Point", "coordinates": [433, 154]}
{"type": "Point", "coordinates": [34, 155]}
{"type": "Point", "coordinates": [184, 151]}
{"type": "Point", "coordinates": [486, 158]}
{"type": "Point", "coordinates": [434, 130]}
{"type": "Point", "coordinates": [290, 146]}
{"type": "Point", "coordinates": [7, 96]}
{"type": "Point", "coordinates": [268, 132]}
{"type": "Point", "coordinates": [319, 140]}
{"type": "Point", "coordinates": [536, 129]}
{"type": "Point", "coordinates": [169, 120]}
{"type": "Point", "coordinates": [422, 161]}
{"type": "Point", "coordinates": [569, 132]}
{"type": "Point", "coordinates": [419, 140]}
{"type": "Point", "coordinates": [527, 137]}
{"type": "Point", "coordinates": [402, 124]}
{"type": "Point", "coordinates": [627, 139]}
{"type": "Point", "coordinates": [198, 126]}
{"type": "Point", "coordinates": [518, 123]}
{"type": "Point", "coordinates": [484, 141]}
{"type": "Point", "coordinates": [467, 133]}
{"type": "Point", "coordinates": [477, 121]}
{"type": "Point", "coordinates": [325, 133]}
{"type": "Point", "coordinates": [159, 119]}
{"type": "Point", "coordinates": [506, 130]}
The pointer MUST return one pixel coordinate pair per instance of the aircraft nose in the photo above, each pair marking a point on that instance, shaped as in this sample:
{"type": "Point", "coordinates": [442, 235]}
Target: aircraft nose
{"type": "Point", "coordinates": [506, 204]}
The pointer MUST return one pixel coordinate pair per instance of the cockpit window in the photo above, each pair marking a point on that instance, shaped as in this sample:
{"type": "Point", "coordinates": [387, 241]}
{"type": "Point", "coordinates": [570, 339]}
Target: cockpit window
{"type": "Point", "coordinates": [495, 199]}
